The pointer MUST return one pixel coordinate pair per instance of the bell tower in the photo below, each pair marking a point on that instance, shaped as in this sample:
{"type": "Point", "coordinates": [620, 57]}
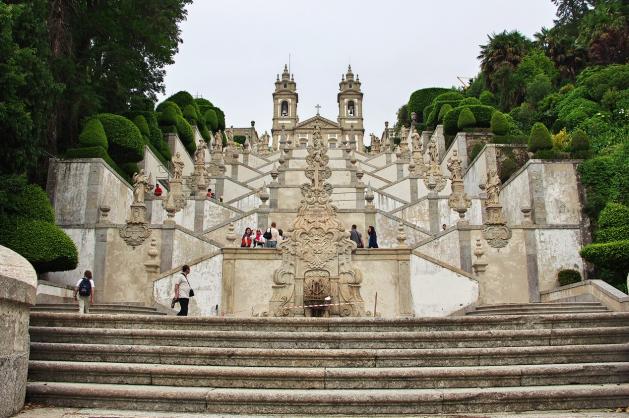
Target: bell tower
{"type": "Point", "coordinates": [285, 100]}
{"type": "Point", "coordinates": [350, 101]}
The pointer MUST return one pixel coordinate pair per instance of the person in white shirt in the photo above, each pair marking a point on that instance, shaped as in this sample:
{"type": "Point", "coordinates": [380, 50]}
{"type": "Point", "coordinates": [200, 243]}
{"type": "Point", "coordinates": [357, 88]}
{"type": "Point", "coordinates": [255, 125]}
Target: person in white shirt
{"type": "Point", "coordinates": [182, 290]}
{"type": "Point", "coordinates": [85, 290]}
{"type": "Point", "coordinates": [275, 236]}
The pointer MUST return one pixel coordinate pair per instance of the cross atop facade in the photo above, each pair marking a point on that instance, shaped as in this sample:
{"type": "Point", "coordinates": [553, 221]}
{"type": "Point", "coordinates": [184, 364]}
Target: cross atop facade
{"type": "Point", "coordinates": [318, 107]}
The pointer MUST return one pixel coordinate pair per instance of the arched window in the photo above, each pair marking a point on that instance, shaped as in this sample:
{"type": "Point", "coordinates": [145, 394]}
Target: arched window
{"type": "Point", "coordinates": [285, 85]}
{"type": "Point", "coordinates": [284, 108]}
{"type": "Point", "coordinates": [351, 108]}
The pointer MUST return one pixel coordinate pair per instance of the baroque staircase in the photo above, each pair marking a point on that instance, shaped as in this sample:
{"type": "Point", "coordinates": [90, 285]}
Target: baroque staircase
{"type": "Point", "coordinates": [361, 366]}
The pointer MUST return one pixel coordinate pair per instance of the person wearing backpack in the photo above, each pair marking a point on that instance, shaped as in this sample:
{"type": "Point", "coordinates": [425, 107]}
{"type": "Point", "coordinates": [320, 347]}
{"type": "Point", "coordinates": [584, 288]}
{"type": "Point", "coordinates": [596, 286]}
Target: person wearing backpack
{"type": "Point", "coordinates": [271, 236]}
{"type": "Point", "coordinates": [84, 292]}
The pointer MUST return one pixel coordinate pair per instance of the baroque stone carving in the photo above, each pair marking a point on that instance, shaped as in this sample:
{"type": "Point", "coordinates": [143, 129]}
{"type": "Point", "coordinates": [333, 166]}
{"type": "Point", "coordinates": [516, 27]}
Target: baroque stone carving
{"type": "Point", "coordinates": [136, 230]}
{"type": "Point", "coordinates": [316, 259]}
{"type": "Point", "coordinates": [434, 179]}
{"type": "Point", "coordinates": [496, 233]}
{"type": "Point", "coordinates": [200, 177]}
{"type": "Point", "coordinates": [459, 201]}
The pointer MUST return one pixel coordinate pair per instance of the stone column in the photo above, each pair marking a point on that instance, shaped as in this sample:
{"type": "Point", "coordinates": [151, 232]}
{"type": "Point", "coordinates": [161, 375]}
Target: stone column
{"type": "Point", "coordinates": [18, 288]}
{"type": "Point", "coordinates": [433, 212]}
{"type": "Point", "coordinates": [405, 304]}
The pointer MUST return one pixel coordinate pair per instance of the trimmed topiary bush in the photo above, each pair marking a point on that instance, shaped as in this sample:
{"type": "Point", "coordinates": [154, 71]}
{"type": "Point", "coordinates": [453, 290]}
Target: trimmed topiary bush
{"type": "Point", "coordinates": [580, 145]}
{"type": "Point", "coordinates": [32, 203]}
{"type": "Point", "coordinates": [444, 109]}
{"type": "Point", "coordinates": [169, 112]}
{"type": "Point", "coordinates": [547, 154]}
{"type": "Point", "coordinates": [43, 244]}
{"type": "Point", "coordinates": [211, 119]}
{"type": "Point", "coordinates": [487, 98]}
{"type": "Point", "coordinates": [130, 168]}
{"type": "Point", "coordinates": [466, 119]}
{"type": "Point", "coordinates": [93, 134]}
{"type": "Point", "coordinates": [613, 254]}
{"type": "Point", "coordinates": [476, 149]}
{"type": "Point", "coordinates": [482, 114]}
{"type": "Point", "coordinates": [182, 99]}
{"type": "Point", "coordinates": [470, 101]}
{"type": "Point", "coordinates": [507, 167]}
{"type": "Point", "coordinates": [539, 138]}
{"type": "Point", "coordinates": [499, 123]}
{"type": "Point", "coordinates": [143, 126]}
{"type": "Point", "coordinates": [186, 134]}
{"type": "Point", "coordinates": [451, 95]}
{"type": "Point", "coordinates": [125, 140]}
{"type": "Point", "coordinates": [568, 276]}
{"type": "Point", "coordinates": [191, 114]}
{"type": "Point", "coordinates": [422, 98]}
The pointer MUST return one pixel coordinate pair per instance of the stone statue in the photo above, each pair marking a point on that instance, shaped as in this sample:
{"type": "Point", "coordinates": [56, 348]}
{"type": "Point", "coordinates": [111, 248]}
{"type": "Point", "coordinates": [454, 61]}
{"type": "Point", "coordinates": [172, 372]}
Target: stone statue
{"type": "Point", "coordinates": [178, 165]}
{"type": "Point", "coordinates": [433, 153]}
{"type": "Point", "coordinates": [141, 185]}
{"type": "Point", "coordinates": [218, 141]}
{"type": "Point", "coordinates": [230, 135]}
{"type": "Point", "coordinates": [199, 154]}
{"type": "Point", "coordinates": [403, 134]}
{"type": "Point", "coordinates": [454, 166]}
{"type": "Point", "coordinates": [492, 188]}
{"type": "Point", "coordinates": [415, 138]}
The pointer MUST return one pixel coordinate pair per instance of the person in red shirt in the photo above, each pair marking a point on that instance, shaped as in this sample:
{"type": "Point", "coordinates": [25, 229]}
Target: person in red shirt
{"type": "Point", "coordinates": [158, 190]}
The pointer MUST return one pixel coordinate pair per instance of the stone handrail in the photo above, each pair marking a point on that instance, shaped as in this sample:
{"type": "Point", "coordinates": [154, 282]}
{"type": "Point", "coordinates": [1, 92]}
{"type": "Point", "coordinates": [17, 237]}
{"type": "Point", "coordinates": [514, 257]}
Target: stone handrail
{"type": "Point", "coordinates": [605, 293]}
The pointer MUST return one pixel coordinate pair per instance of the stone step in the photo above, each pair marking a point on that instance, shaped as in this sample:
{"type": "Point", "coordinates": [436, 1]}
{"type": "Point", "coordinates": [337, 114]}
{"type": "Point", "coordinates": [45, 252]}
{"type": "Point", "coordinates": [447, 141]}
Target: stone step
{"type": "Point", "coordinates": [540, 304]}
{"type": "Point", "coordinates": [97, 309]}
{"type": "Point", "coordinates": [329, 401]}
{"type": "Point", "coordinates": [470, 323]}
{"type": "Point", "coordinates": [333, 340]}
{"type": "Point", "coordinates": [328, 378]}
{"type": "Point", "coordinates": [254, 357]}
{"type": "Point", "coordinates": [330, 358]}
{"type": "Point", "coordinates": [544, 311]}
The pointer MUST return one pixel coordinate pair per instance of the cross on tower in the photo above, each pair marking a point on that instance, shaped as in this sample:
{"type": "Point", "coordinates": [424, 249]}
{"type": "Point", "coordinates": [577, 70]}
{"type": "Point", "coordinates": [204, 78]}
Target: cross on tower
{"type": "Point", "coordinates": [318, 107]}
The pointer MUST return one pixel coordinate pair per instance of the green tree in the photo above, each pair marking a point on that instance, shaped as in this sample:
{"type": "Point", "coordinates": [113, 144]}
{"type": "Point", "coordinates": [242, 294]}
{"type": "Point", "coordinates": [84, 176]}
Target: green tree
{"type": "Point", "coordinates": [540, 138]}
{"type": "Point", "coordinates": [501, 55]}
{"type": "Point", "coordinates": [466, 119]}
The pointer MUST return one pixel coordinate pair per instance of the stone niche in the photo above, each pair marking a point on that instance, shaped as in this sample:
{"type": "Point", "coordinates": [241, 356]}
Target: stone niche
{"type": "Point", "coordinates": [18, 284]}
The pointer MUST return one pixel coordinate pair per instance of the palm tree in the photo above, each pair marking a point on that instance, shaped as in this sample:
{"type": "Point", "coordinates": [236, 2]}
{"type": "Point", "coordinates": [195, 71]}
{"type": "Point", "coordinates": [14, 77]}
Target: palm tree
{"type": "Point", "coordinates": [502, 54]}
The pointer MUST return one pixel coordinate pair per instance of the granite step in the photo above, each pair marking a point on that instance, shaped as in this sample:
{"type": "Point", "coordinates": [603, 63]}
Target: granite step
{"type": "Point", "coordinates": [119, 309]}
{"type": "Point", "coordinates": [256, 357]}
{"type": "Point", "coordinates": [48, 319]}
{"type": "Point", "coordinates": [329, 401]}
{"type": "Point", "coordinates": [328, 378]}
{"type": "Point", "coordinates": [540, 311]}
{"type": "Point", "coordinates": [332, 340]}
{"type": "Point", "coordinates": [540, 304]}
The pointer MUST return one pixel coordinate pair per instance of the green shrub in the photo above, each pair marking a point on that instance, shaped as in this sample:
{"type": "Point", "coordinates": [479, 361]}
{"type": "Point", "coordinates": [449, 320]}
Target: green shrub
{"type": "Point", "coordinates": [433, 117]}
{"type": "Point", "coordinates": [32, 203]}
{"type": "Point", "coordinates": [568, 276]}
{"type": "Point", "coordinates": [599, 176]}
{"type": "Point", "coordinates": [203, 104]}
{"type": "Point", "coordinates": [451, 95]}
{"type": "Point", "coordinates": [142, 124]}
{"type": "Point", "coordinates": [95, 152]}
{"type": "Point", "coordinates": [125, 140]}
{"type": "Point", "coordinates": [186, 134]}
{"type": "Point", "coordinates": [221, 118]}
{"type": "Point", "coordinates": [422, 98]}
{"type": "Point", "coordinates": [476, 149]}
{"type": "Point", "coordinates": [507, 167]}
{"type": "Point", "coordinates": [613, 254]}
{"type": "Point", "coordinates": [240, 139]}
{"type": "Point", "coordinates": [614, 215]}
{"type": "Point", "coordinates": [169, 113]}
{"type": "Point", "coordinates": [470, 101]}
{"type": "Point", "coordinates": [444, 109]}
{"type": "Point", "coordinates": [466, 119]}
{"type": "Point", "coordinates": [538, 88]}
{"type": "Point", "coordinates": [618, 233]}
{"type": "Point", "coordinates": [547, 154]}
{"type": "Point", "coordinates": [182, 99]}
{"type": "Point", "coordinates": [524, 116]}
{"type": "Point", "coordinates": [510, 139]}
{"type": "Point", "coordinates": [487, 98]}
{"type": "Point", "coordinates": [427, 111]}
{"type": "Point", "coordinates": [482, 114]}
{"type": "Point", "coordinates": [499, 124]}
{"type": "Point", "coordinates": [539, 138]}
{"type": "Point", "coordinates": [43, 244]}
{"type": "Point", "coordinates": [598, 80]}
{"type": "Point", "coordinates": [205, 133]}
{"type": "Point", "coordinates": [211, 119]}
{"type": "Point", "coordinates": [580, 145]}
{"type": "Point", "coordinates": [130, 168]}
{"type": "Point", "coordinates": [93, 134]}
{"type": "Point", "coordinates": [190, 113]}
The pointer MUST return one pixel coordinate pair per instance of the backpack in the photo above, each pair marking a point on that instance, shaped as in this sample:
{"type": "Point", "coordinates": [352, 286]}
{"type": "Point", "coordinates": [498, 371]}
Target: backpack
{"type": "Point", "coordinates": [85, 287]}
{"type": "Point", "coordinates": [267, 234]}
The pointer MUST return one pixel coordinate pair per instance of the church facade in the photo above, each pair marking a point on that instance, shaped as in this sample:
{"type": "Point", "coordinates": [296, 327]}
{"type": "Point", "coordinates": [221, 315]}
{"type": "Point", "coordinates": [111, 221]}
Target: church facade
{"type": "Point", "coordinates": [348, 128]}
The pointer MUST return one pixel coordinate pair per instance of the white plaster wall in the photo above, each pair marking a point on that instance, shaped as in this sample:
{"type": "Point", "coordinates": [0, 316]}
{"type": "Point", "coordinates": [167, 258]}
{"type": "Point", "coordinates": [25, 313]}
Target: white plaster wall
{"type": "Point", "coordinates": [561, 194]}
{"type": "Point", "coordinates": [116, 194]}
{"type": "Point", "coordinates": [340, 164]}
{"type": "Point", "coordinates": [253, 286]}
{"type": "Point", "coordinates": [459, 144]}
{"type": "Point", "coordinates": [379, 276]}
{"type": "Point", "coordinates": [187, 247]}
{"type": "Point", "coordinates": [446, 215]}
{"type": "Point", "coordinates": [85, 241]}
{"type": "Point", "coordinates": [295, 163]}
{"type": "Point", "coordinates": [177, 147]}
{"type": "Point", "coordinates": [378, 161]}
{"type": "Point", "coordinates": [340, 177]}
{"type": "Point", "coordinates": [444, 248]}
{"type": "Point", "coordinates": [152, 165]}
{"type": "Point", "coordinates": [214, 214]}
{"type": "Point", "coordinates": [476, 174]}
{"type": "Point", "coordinates": [333, 153]}
{"type": "Point", "coordinates": [247, 203]}
{"type": "Point", "coordinates": [422, 190]}
{"type": "Point", "coordinates": [416, 214]}
{"type": "Point", "coordinates": [260, 181]}
{"type": "Point", "coordinates": [374, 182]}
{"type": "Point", "coordinates": [245, 173]}
{"type": "Point", "coordinates": [387, 230]}
{"type": "Point", "coordinates": [401, 189]}
{"type": "Point", "coordinates": [256, 162]}
{"type": "Point", "coordinates": [557, 249]}
{"type": "Point", "coordinates": [233, 190]}
{"type": "Point", "coordinates": [438, 291]}
{"type": "Point", "coordinates": [344, 198]}
{"type": "Point", "coordinates": [185, 217]}
{"type": "Point", "coordinates": [240, 225]}
{"type": "Point", "coordinates": [70, 195]}
{"type": "Point", "coordinates": [289, 197]}
{"type": "Point", "coordinates": [296, 178]}
{"type": "Point", "coordinates": [515, 195]}
{"type": "Point", "coordinates": [389, 172]}
{"type": "Point", "coordinates": [205, 278]}
{"type": "Point", "coordinates": [386, 203]}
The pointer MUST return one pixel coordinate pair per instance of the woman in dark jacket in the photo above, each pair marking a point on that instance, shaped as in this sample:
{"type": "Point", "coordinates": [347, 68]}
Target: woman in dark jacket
{"type": "Point", "coordinates": [373, 238]}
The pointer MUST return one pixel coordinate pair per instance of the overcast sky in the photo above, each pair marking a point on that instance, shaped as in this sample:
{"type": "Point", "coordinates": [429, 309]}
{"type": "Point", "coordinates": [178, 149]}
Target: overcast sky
{"type": "Point", "coordinates": [232, 50]}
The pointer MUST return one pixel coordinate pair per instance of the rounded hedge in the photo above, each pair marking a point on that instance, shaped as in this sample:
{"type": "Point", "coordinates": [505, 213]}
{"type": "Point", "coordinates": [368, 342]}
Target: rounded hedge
{"type": "Point", "coordinates": [143, 126]}
{"type": "Point", "coordinates": [499, 124]}
{"type": "Point", "coordinates": [182, 99]}
{"type": "Point", "coordinates": [33, 203]}
{"type": "Point", "coordinates": [568, 276]}
{"type": "Point", "coordinates": [540, 138]}
{"type": "Point", "coordinates": [507, 167]}
{"type": "Point", "coordinates": [613, 215]}
{"type": "Point", "coordinates": [444, 109]}
{"type": "Point", "coordinates": [546, 154]}
{"type": "Point", "coordinates": [211, 119]}
{"type": "Point", "coordinates": [169, 112]}
{"type": "Point", "coordinates": [125, 140]}
{"type": "Point", "coordinates": [43, 244]}
{"type": "Point", "coordinates": [487, 98]}
{"type": "Point", "coordinates": [422, 98]}
{"type": "Point", "coordinates": [482, 114]}
{"type": "Point", "coordinates": [451, 95]}
{"type": "Point", "coordinates": [469, 101]}
{"type": "Point", "coordinates": [612, 255]}
{"type": "Point", "coordinates": [93, 134]}
{"type": "Point", "coordinates": [221, 118]}
{"type": "Point", "coordinates": [579, 141]}
{"type": "Point", "coordinates": [186, 134]}
{"type": "Point", "coordinates": [466, 119]}
{"type": "Point", "coordinates": [190, 113]}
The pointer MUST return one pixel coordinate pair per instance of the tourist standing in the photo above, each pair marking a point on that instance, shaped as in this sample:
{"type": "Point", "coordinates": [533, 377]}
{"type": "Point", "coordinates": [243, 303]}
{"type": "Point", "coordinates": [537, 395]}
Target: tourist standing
{"type": "Point", "coordinates": [373, 237]}
{"type": "Point", "coordinates": [258, 241]}
{"type": "Point", "coordinates": [85, 290]}
{"type": "Point", "coordinates": [356, 236]}
{"type": "Point", "coordinates": [247, 238]}
{"type": "Point", "coordinates": [272, 235]}
{"type": "Point", "coordinates": [183, 291]}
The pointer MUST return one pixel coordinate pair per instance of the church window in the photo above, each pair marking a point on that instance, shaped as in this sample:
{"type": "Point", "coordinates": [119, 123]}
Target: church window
{"type": "Point", "coordinates": [285, 85]}
{"type": "Point", "coordinates": [350, 85]}
{"type": "Point", "coordinates": [351, 108]}
{"type": "Point", "coordinates": [284, 108]}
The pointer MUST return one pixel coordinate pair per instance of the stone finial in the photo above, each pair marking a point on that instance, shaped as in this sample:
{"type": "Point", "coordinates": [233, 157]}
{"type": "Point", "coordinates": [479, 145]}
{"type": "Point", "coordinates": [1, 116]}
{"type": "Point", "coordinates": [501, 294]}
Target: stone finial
{"type": "Point", "coordinates": [369, 196]}
{"type": "Point", "coordinates": [526, 214]}
{"type": "Point", "coordinates": [401, 236]}
{"type": "Point", "coordinates": [412, 169]}
{"type": "Point", "coordinates": [480, 264]}
{"type": "Point", "coordinates": [170, 207]}
{"type": "Point", "coordinates": [263, 194]}
{"type": "Point", "coordinates": [352, 159]}
{"type": "Point", "coordinates": [231, 235]}
{"type": "Point", "coordinates": [274, 174]}
{"type": "Point", "coordinates": [359, 175]}
{"type": "Point", "coordinates": [104, 213]}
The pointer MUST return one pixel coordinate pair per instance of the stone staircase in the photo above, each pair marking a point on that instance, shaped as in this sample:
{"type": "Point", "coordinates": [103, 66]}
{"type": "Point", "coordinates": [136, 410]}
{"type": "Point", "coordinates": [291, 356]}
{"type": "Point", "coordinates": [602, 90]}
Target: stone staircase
{"type": "Point", "coordinates": [321, 366]}
{"type": "Point", "coordinates": [551, 308]}
{"type": "Point", "coordinates": [98, 308]}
